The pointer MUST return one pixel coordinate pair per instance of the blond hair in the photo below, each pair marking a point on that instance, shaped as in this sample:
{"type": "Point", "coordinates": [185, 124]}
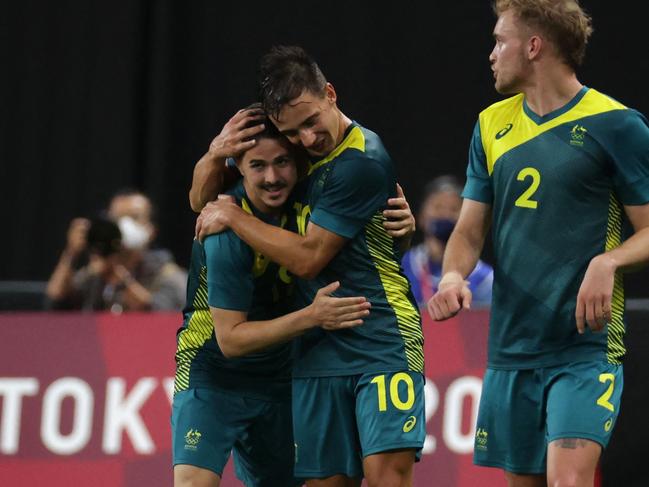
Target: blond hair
{"type": "Point", "coordinates": [564, 22]}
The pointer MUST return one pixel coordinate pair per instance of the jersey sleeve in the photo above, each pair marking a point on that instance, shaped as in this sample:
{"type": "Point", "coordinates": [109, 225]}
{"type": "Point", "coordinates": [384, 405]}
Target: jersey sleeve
{"type": "Point", "coordinates": [355, 190]}
{"type": "Point", "coordinates": [629, 147]}
{"type": "Point", "coordinates": [230, 282]}
{"type": "Point", "coordinates": [478, 182]}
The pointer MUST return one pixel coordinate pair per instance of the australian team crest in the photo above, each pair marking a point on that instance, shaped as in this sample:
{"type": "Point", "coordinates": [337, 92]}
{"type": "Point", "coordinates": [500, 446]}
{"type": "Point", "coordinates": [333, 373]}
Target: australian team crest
{"type": "Point", "coordinates": [192, 438]}
{"type": "Point", "coordinates": [577, 134]}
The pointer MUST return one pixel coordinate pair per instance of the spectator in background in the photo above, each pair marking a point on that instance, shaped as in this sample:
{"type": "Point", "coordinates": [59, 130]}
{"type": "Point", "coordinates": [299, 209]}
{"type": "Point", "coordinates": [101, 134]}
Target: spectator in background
{"type": "Point", "coordinates": [122, 273]}
{"type": "Point", "coordinates": [423, 264]}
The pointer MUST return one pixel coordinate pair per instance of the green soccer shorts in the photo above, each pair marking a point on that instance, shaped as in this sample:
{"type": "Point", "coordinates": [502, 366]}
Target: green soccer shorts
{"type": "Point", "coordinates": [338, 421]}
{"type": "Point", "coordinates": [208, 424]}
{"type": "Point", "coordinates": [522, 411]}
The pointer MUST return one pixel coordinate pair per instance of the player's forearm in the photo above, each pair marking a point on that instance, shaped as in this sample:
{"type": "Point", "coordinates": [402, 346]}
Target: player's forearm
{"type": "Point", "coordinates": [462, 254]}
{"type": "Point", "coordinates": [253, 336]}
{"type": "Point", "coordinates": [634, 252]}
{"type": "Point", "coordinates": [207, 181]}
{"type": "Point", "coordinates": [288, 249]}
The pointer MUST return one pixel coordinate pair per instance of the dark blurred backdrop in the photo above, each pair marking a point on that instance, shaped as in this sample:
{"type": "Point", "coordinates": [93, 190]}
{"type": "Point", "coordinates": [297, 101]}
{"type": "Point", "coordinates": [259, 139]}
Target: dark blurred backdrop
{"type": "Point", "coordinates": [100, 95]}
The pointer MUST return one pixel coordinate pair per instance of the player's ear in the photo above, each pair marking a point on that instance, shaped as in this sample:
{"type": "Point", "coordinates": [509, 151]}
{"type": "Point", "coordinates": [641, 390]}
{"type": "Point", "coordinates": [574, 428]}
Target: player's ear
{"type": "Point", "coordinates": [330, 93]}
{"type": "Point", "coordinates": [239, 164]}
{"type": "Point", "coordinates": [534, 46]}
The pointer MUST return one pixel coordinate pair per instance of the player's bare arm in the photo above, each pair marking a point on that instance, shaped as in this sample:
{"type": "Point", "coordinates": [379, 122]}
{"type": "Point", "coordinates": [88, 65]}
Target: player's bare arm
{"type": "Point", "coordinates": [210, 172]}
{"type": "Point", "coordinates": [399, 221]}
{"type": "Point", "coordinates": [461, 255]}
{"type": "Point", "coordinates": [594, 299]}
{"type": "Point", "coordinates": [237, 336]}
{"type": "Point", "coordinates": [304, 256]}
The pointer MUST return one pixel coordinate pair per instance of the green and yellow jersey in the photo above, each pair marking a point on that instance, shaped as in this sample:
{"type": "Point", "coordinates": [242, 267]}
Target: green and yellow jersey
{"type": "Point", "coordinates": [345, 193]}
{"type": "Point", "coordinates": [226, 273]}
{"type": "Point", "coordinates": [557, 185]}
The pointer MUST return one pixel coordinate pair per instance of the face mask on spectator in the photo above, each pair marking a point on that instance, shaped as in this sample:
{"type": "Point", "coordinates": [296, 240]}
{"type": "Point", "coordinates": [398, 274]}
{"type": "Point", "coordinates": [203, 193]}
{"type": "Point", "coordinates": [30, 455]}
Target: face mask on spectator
{"type": "Point", "coordinates": [440, 228]}
{"type": "Point", "coordinates": [135, 236]}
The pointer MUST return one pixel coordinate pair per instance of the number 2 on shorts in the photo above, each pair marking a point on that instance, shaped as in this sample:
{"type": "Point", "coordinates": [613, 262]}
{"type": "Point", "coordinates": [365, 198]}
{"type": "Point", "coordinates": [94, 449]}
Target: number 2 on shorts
{"type": "Point", "coordinates": [379, 380]}
{"type": "Point", "coordinates": [604, 398]}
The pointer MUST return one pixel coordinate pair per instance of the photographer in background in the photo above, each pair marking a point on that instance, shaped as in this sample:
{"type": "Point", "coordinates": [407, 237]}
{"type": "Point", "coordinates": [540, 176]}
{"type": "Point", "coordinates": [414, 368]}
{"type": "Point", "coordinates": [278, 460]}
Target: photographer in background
{"type": "Point", "coordinates": [423, 264]}
{"type": "Point", "coordinates": [122, 273]}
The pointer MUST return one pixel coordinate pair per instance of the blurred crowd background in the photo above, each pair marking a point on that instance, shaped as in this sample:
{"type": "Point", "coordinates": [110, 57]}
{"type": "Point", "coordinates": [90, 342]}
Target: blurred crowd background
{"type": "Point", "coordinates": [101, 96]}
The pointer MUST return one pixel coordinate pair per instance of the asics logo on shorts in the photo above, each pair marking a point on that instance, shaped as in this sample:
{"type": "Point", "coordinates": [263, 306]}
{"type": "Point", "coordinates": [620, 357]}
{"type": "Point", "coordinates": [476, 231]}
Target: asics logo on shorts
{"type": "Point", "coordinates": [410, 424]}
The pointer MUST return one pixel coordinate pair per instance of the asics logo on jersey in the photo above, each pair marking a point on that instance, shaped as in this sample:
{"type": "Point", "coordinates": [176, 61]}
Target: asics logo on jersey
{"type": "Point", "coordinates": [410, 424]}
{"type": "Point", "coordinates": [608, 424]}
{"type": "Point", "coordinates": [502, 132]}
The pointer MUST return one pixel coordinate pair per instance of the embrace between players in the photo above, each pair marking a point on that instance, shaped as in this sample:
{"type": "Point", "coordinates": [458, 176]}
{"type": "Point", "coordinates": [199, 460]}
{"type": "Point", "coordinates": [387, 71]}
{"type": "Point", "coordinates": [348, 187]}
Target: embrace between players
{"type": "Point", "coordinates": [302, 349]}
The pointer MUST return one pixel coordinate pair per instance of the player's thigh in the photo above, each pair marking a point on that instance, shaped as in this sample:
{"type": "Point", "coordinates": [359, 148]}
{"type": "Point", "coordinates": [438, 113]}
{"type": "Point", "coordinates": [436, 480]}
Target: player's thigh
{"type": "Point", "coordinates": [583, 401]}
{"type": "Point", "coordinates": [335, 481]}
{"type": "Point", "coordinates": [265, 455]}
{"type": "Point", "coordinates": [191, 476]}
{"type": "Point", "coordinates": [510, 431]}
{"type": "Point", "coordinates": [393, 468]}
{"type": "Point", "coordinates": [324, 428]}
{"type": "Point", "coordinates": [391, 422]}
{"type": "Point", "coordinates": [521, 480]}
{"type": "Point", "coordinates": [205, 424]}
{"type": "Point", "coordinates": [573, 461]}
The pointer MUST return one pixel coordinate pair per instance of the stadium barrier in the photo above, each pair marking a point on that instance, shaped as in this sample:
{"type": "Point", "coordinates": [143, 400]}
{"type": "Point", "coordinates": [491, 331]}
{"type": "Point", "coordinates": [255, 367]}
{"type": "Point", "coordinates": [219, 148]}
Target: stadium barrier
{"type": "Point", "coordinates": [85, 400]}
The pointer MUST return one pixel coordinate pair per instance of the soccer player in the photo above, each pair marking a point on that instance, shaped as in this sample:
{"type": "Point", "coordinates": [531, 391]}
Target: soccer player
{"type": "Point", "coordinates": [555, 167]}
{"type": "Point", "coordinates": [236, 306]}
{"type": "Point", "coordinates": [358, 403]}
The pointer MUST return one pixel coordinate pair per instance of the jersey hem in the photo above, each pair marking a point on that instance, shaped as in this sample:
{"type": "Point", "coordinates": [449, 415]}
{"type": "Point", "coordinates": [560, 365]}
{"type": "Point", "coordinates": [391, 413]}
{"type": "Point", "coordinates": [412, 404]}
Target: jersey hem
{"type": "Point", "coordinates": [280, 394]}
{"type": "Point", "coordinates": [595, 357]}
{"type": "Point", "coordinates": [350, 372]}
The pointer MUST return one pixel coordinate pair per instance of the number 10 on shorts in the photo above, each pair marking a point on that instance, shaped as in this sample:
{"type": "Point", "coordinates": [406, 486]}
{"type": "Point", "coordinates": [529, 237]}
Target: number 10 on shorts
{"type": "Point", "coordinates": [395, 398]}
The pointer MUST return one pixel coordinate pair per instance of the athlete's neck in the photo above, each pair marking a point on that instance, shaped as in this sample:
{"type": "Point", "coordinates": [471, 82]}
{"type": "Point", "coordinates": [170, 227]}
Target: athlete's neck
{"type": "Point", "coordinates": [343, 124]}
{"type": "Point", "coordinates": [551, 89]}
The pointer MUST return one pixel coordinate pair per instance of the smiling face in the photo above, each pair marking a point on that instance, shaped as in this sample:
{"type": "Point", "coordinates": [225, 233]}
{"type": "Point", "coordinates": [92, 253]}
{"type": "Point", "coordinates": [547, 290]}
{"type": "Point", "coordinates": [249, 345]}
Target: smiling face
{"type": "Point", "coordinates": [269, 173]}
{"type": "Point", "coordinates": [311, 121]}
{"type": "Point", "coordinates": [508, 58]}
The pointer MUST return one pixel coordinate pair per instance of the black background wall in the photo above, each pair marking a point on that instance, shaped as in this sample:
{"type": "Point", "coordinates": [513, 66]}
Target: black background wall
{"type": "Point", "coordinates": [99, 95]}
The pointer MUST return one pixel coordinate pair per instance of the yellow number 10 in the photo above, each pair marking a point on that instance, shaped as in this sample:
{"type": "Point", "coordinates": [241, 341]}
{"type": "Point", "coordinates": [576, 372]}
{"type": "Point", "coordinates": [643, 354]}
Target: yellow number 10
{"type": "Point", "coordinates": [524, 200]}
{"type": "Point", "coordinates": [379, 380]}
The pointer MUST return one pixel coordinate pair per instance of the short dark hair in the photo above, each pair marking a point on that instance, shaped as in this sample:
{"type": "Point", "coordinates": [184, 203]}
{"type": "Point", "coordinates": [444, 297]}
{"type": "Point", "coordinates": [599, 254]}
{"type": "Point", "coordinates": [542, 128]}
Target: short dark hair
{"type": "Point", "coordinates": [269, 132]}
{"type": "Point", "coordinates": [285, 72]}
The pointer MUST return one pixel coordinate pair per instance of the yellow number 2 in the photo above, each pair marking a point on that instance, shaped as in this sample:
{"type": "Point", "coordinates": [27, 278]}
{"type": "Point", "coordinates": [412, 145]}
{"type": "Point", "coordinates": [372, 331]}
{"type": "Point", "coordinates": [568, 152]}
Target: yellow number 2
{"type": "Point", "coordinates": [524, 200]}
{"type": "Point", "coordinates": [379, 380]}
{"type": "Point", "coordinates": [604, 398]}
